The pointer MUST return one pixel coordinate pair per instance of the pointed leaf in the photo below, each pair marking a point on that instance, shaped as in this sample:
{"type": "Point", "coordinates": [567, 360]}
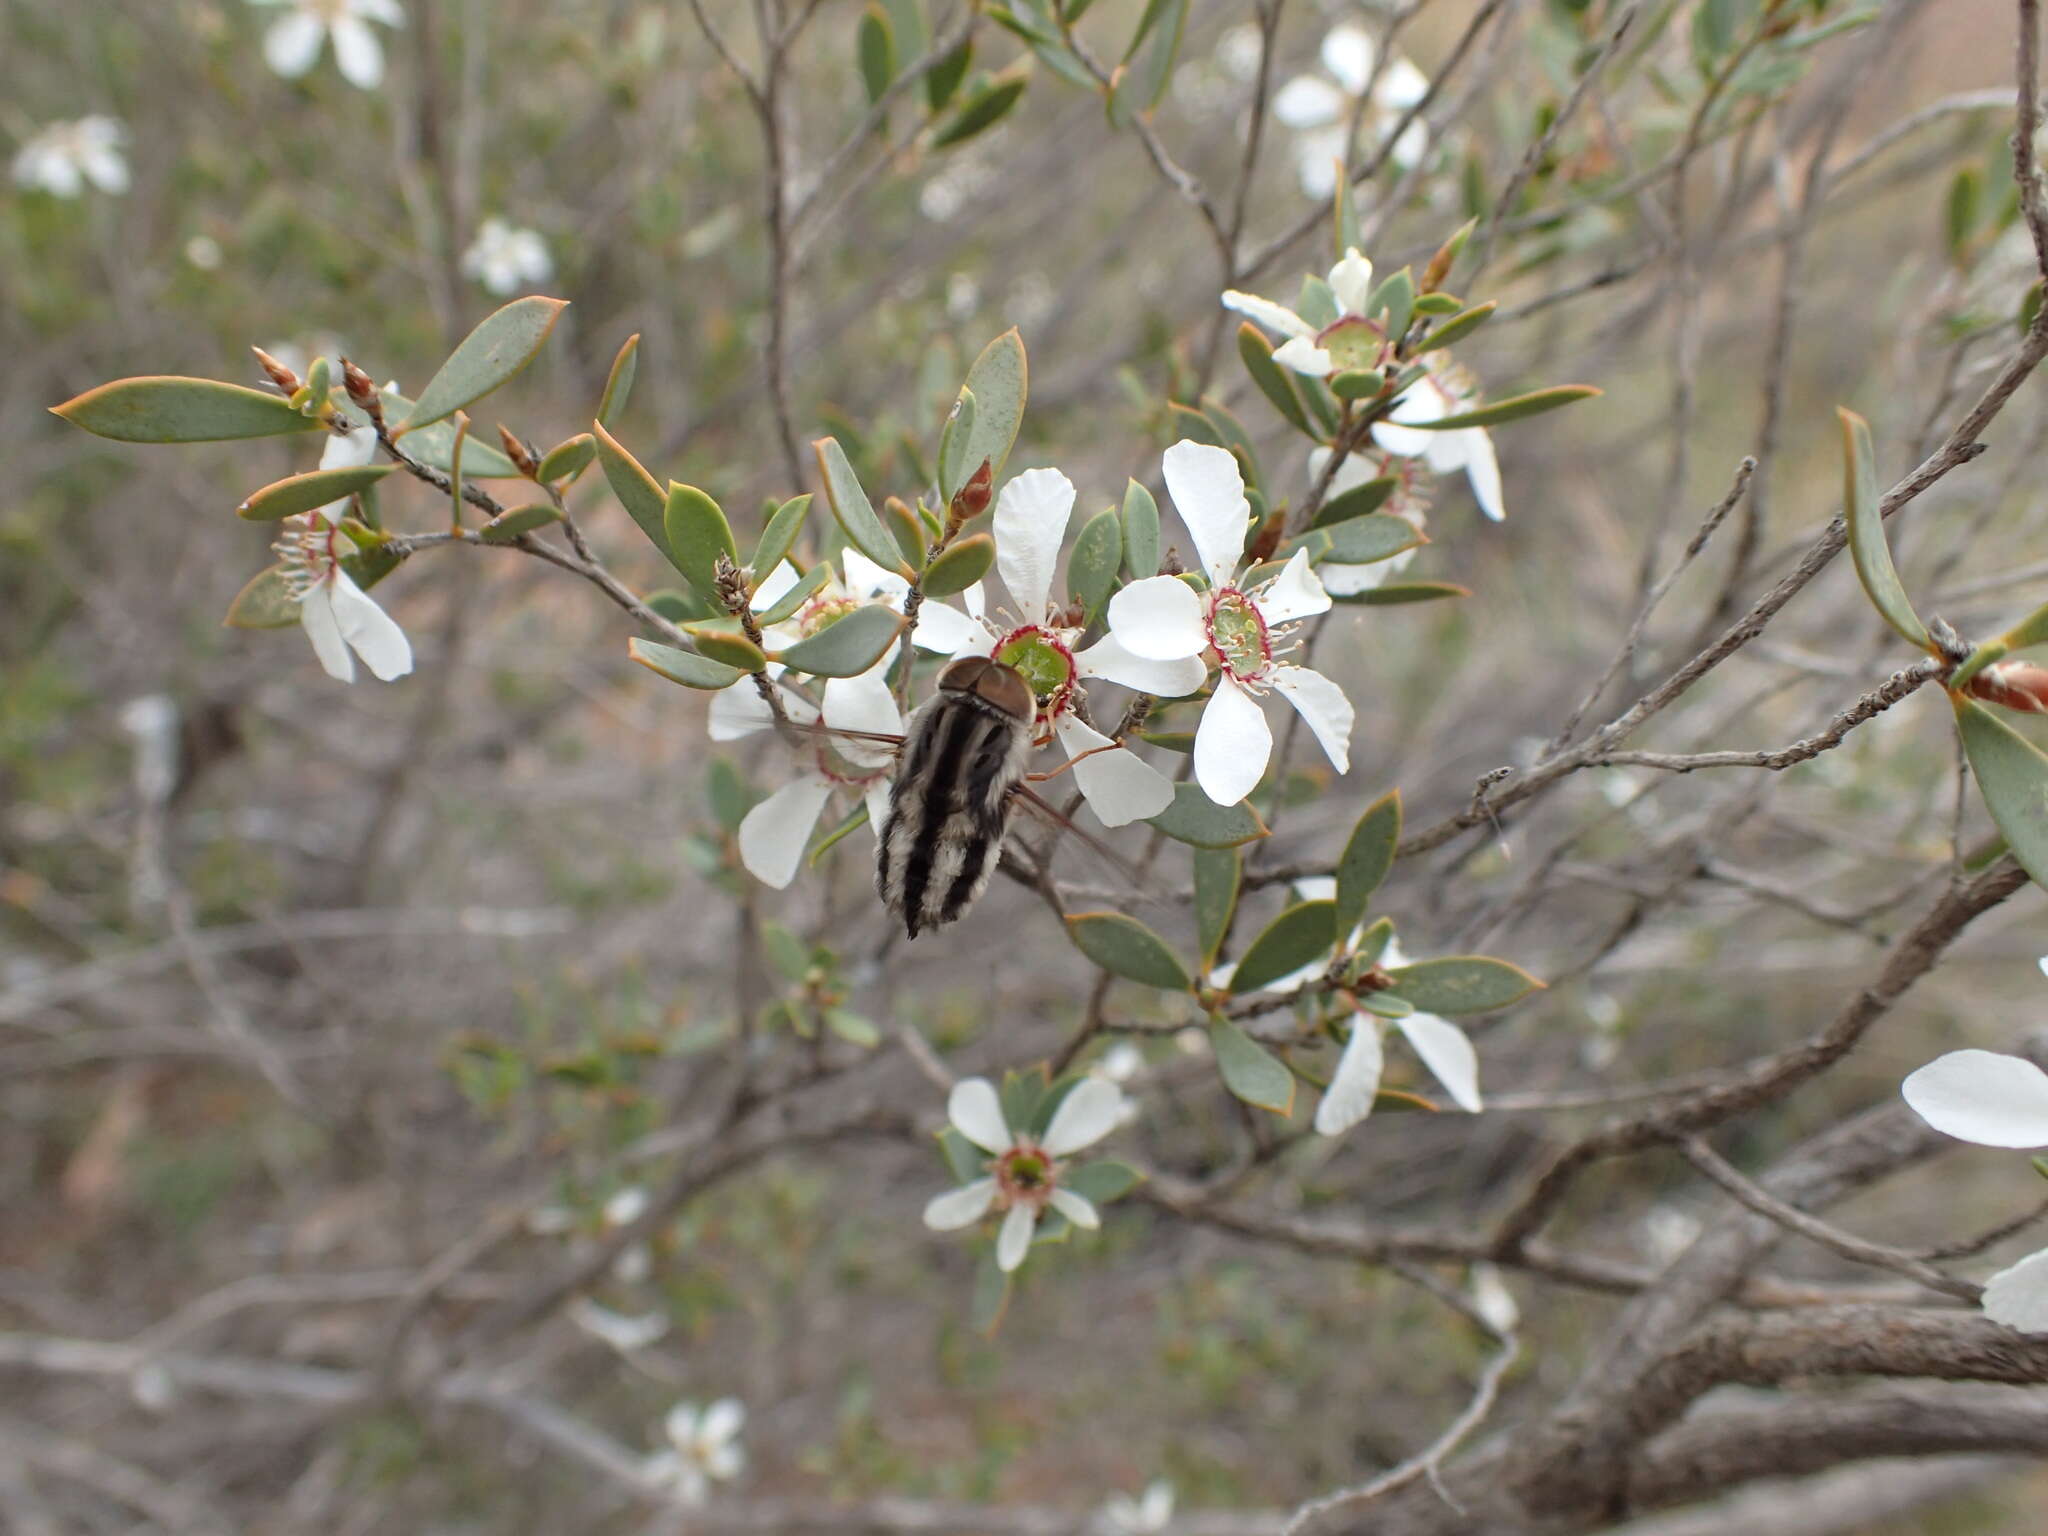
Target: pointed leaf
{"type": "Point", "coordinates": [165, 409]}
{"type": "Point", "coordinates": [1359, 540]}
{"type": "Point", "coordinates": [1256, 352]}
{"type": "Point", "coordinates": [315, 488]}
{"type": "Point", "coordinates": [266, 602]}
{"type": "Point", "coordinates": [636, 490]}
{"type": "Point", "coordinates": [875, 45]}
{"type": "Point", "coordinates": [1299, 936]}
{"type": "Point", "coordinates": [1367, 857]}
{"type": "Point", "coordinates": [1460, 325]}
{"type": "Point", "coordinates": [509, 525]}
{"type": "Point", "coordinates": [981, 111]}
{"type": "Point", "coordinates": [697, 535]}
{"type": "Point", "coordinates": [1867, 545]}
{"type": "Point", "coordinates": [856, 514]}
{"type": "Point", "coordinates": [944, 77]}
{"type": "Point", "coordinates": [1357, 501]}
{"type": "Point", "coordinates": [953, 439]}
{"type": "Point", "coordinates": [488, 357]}
{"type": "Point", "coordinates": [685, 667]}
{"type": "Point", "coordinates": [1141, 531]}
{"type": "Point", "coordinates": [2012, 775]}
{"type": "Point", "coordinates": [846, 647]}
{"type": "Point", "coordinates": [1535, 403]}
{"type": "Point", "coordinates": [1404, 592]}
{"type": "Point", "coordinates": [1125, 947]}
{"type": "Point", "coordinates": [1092, 568]}
{"type": "Point", "coordinates": [959, 566]}
{"type": "Point", "coordinates": [1102, 1181]}
{"type": "Point", "coordinates": [1142, 82]}
{"type": "Point", "coordinates": [1001, 381]}
{"type": "Point", "coordinates": [786, 605]}
{"type": "Point", "coordinates": [566, 460]}
{"type": "Point", "coordinates": [780, 536]}
{"type": "Point", "coordinates": [1195, 818]}
{"type": "Point", "coordinates": [1459, 984]}
{"type": "Point", "coordinates": [434, 446]}
{"type": "Point", "coordinates": [618, 385]}
{"type": "Point", "coordinates": [1218, 872]}
{"type": "Point", "coordinates": [1250, 1071]}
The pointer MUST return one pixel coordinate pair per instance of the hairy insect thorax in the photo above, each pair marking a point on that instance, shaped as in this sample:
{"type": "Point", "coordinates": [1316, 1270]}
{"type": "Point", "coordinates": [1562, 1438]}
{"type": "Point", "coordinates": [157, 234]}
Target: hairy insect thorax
{"type": "Point", "coordinates": [950, 803]}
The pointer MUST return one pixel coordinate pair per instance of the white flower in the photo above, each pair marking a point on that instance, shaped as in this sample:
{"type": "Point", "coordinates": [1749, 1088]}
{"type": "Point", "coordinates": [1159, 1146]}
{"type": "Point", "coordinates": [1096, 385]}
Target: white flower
{"type": "Point", "coordinates": [204, 253]}
{"type": "Point", "coordinates": [1145, 1515]}
{"type": "Point", "coordinates": [703, 1446]}
{"type": "Point", "coordinates": [1162, 618]}
{"type": "Point", "coordinates": [505, 259]}
{"type": "Point", "coordinates": [1347, 343]}
{"type": "Point", "coordinates": [628, 1335]}
{"type": "Point", "coordinates": [292, 45]}
{"type": "Point", "coordinates": [1995, 1101]}
{"type": "Point", "coordinates": [1407, 503]}
{"type": "Point", "coordinates": [1120, 1063]}
{"type": "Point", "coordinates": [1024, 1173]}
{"type": "Point", "coordinates": [1320, 108]}
{"type": "Point", "coordinates": [1492, 1299]}
{"type": "Point", "coordinates": [1030, 525]}
{"type": "Point", "coordinates": [626, 1206]}
{"type": "Point", "coordinates": [63, 157]}
{"type": "Point", "coordinates": [1445, 390]}
{"type": "Point", "coordinates": [339, 616]}
{"type": "Point", "coordinates": [1356, 1082]}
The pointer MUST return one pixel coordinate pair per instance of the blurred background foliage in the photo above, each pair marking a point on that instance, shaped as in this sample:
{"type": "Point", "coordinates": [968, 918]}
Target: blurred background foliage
{"type": "Point", "coordinates": [487, 924]}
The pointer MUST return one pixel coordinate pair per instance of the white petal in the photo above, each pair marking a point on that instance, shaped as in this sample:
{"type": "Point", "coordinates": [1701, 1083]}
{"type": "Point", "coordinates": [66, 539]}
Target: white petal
{"type": "Point", "coordinates": [1014, 1241]}
{"type": "Point", "coordinates": [1349, 580]}
{"type": "Point", "coordinates": [776, 832]}
{"type": "Point", "coordinates": [946, 630]}
{"type": "Point", "coordinates": [1349, 54]}
{"type": "Point", "coordinates": [1030, 525]}
{"type": "Point", "coordinates": [1294, 594]}
{"type": "Point", "coordinates": [2018, 1297]}
{"type": "Point", "coordinates": [1232, 744]}
{"type": "Point", "coordinates": [1208, 492]}
{"type": "Point", "coordinates": [1483, 470]}
{"type": "Point", "coordinates": [358, 53]}
{"type": "Point", "coordinates": [389, 12]}
{"type": "Point", "coordinates": [1412, 145]}
{"type": "Point", "coordinates": [864, 578]}
{"type": "Point", "coordinates": [961, 1207]}
{"type": "Point", "coordinates": [723, 1460]}
{"type": "Point", "coordinates": [1076, 1209]}
{"type": "Point", "coordinates": [1351, 281]}
{"type": "Point", "coordinates": [1356, 1082]}
{"type": "Point", "coordinates": [104, 167]}
{"type": "Point", "coordinates": [1159, 619]}
{"type": "Point", "coordinates": [721, 1421]}
{"type": "Point", "coordinates": [1084, 1117]}
{"type": "Point", "coordinates": [876, 796]}
{"type": "Point", "coordinates": [977, 1113]}
{"type": "Point", "coordinates": [1355, 471]}
{"type": "Point", "coordinates": [1308, 101]}
{"type": "Point", "coordinates": [371, 632]}
{"type": "Point", "coordinates": [1982, 1096]}
{"type": "Point", "coordinates": [1274, 317]}
{"type": "Point", "coordinates": [1496, 1303]}
{"type": "Point", "coordinates": [293, 43]}
{"type": "Point", "coordinates": [316, 613]}
{"type": "Point", "coordinates": [1120, 786]}
{"type": "Point", "coordinates": [1448, 1055]}
{"type": "Point", "coordinates": [1304, 356]}
{"type": "Point", "coordinates": [1316, 887]}
{"type": "Point", "coordinates": [1111, 660]}
{"type": "Point", "coordinates": [623, 1333]}
{"type": "Point", "coordinates": [1447, 452]}
{"type": "Point", "coordinates": [863, 703]}
{"type": "Point", "coordinates": [1319, 159]}
{"type": "Point", "coordinates": [1323, 705]}
{"type": "Point", "coordinates": [346, 452]}
{"type": "Point", "coordinates": [774, 585]}
{"type": "Point", "coordinates": [1401, 86]}
{"type": "Point", "coordinates": [681, 1424]}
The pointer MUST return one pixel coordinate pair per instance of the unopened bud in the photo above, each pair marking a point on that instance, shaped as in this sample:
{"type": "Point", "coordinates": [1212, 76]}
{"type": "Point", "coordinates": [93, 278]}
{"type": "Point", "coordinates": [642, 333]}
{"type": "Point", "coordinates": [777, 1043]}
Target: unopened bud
{"type": "Point", "coordinates": [2018, 685]}
{"type": "Point", "coordinates": [731, 584]}
{"type": "Point", "coordinates": [1374, 980]}
{"type": "Point", "coordinates": [362, 391]}
{"type": "Point", "coordinates": [280, 375]}
{"type": "Point", "coordinates": [1267, 539]}
{"type": "Point", "coordinates": [521, 454]}
{"type": "Point", "coordinates": [972, 499]}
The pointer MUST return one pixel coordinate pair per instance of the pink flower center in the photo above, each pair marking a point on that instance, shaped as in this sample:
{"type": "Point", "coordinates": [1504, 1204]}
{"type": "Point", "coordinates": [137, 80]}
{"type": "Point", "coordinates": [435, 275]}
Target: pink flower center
{"type": "Point", "coordinates": [1238, 635]}
{"type": "Point", "coordinates": [1025, 1175]}
{"type": "Point", "coordinates": [1046, 663]}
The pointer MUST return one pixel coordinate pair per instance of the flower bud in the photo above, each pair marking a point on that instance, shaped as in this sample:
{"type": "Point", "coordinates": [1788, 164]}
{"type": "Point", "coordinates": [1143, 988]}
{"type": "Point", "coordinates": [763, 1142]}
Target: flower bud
{"type": "Point", "coordinates": [2018, 685]}
{"type": "Point", "coordinates": [971, 500]}
{"type": "Point", "coordinates": [362, 391]}
{"type": "Point", "coordinates": [280, 375]}
{"type": "Point", "coordinates": [522, 456]}
{"type": "Point", "coordinates": [1267, 539]}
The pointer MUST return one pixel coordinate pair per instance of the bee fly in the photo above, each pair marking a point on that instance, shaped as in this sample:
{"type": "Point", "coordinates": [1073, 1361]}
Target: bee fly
{"type": "Point", "coordinates": [955, 788]}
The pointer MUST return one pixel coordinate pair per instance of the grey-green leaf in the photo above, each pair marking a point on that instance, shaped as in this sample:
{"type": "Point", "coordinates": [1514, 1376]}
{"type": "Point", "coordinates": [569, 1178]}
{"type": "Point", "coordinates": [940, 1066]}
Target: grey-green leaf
{"type": "Point", "coordinates": [509, 525]}
{"type": "Point", "coordinates": [1367, 857]}
{"type": "Point", "coordinates": [685, 667]}
{"type": "Point", "coordinates": [698, 534]}
{"type": "Point", "coordinates": [1250, 1071]}
{"type": "Point", "coordinates": [266, 602]}
{"type": "Point", "coordinates": [1535, 403]}
{"type": "Point", "coordinates": [780, 536]}
{"type": "Point", "coordinates": [1299, 936]}
{"type": "Point", "coordinates": [847, 647]}
{"type": "Point", "coordinates": [636, 490]}
{"type": "Point", "coordinates": [959, 566]}
{"type": "Point", "coordinates": [2012, 775]}
{"type": "Point", "coordinates": [1196, 819]}
{"type": "Point", "coordinates": [1125, 947]}
{"type": "Point", "coordinates": [1867, 545]}
{"type": "Point", "coordinates": [1459, 984]}
{"type": "Point", "coordinates": [1092, 567]}
{"type": "Point", "coordinates": [164, 409]}
{"type": "Point", "coordinates": [618, 386]}
{"type": "Point", "coordinates": [1000, 379]}
{"type": "Point", "coordinates": [315, 488]}
{"type": "Point", "coordinates": [856, 514]}
{"type": "Point", "coordinates": [1140, 532]}
{"type": "Point", "coordinates": [1218, 873]}
{"type": "Point", "coordinates": [488, 357]}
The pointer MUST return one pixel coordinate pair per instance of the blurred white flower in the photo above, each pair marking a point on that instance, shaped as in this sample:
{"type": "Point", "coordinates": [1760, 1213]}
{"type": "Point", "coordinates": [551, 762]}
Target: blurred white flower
{"type": "Point", "coordinates": [1237, 50]}
{"type": "Point", "coordinates": [625, 1207]}
{"type": "Point", "coordinates": [1144, 1515]}
{"type": "Point", "coordinates": [1996, 1101]}
{"type": "Point", "coordinates": [1320, 108]}
{"type": "Point", "coordinates": [339, 617]}
{"type": "Point", "coordinates": [64, 157]}
{"type": "Point", "coordinates": [1356, 1082]}
{"type": "Point", "coordinates": [962, 294]}
{"type": "Point", "coordinates": [1446, 390]}
{"type": "Point", "coordinates": [292, 45]}
{"type": "Point", "coordinates": [1120, 1063]}
{"type": "Point", "coordinates": [1492, 1298]}
{"type": "Point", "coordinates": [1163, 619]}
{"type": "Point", "coordinates": [1668, 1232]}
{"type": "Point", "coordinates": [505, 258]}
{"type": "Point", "coordinates": [703, 1447]}
{"type": "Point", "coordinates": [1023, 1172]}
{"type": "Point", "coordinates": [625, 1334]}
{"type": "Point", "coordinates": [1407, 503]}
{"type": "Point", "coordinates": [203, 252]}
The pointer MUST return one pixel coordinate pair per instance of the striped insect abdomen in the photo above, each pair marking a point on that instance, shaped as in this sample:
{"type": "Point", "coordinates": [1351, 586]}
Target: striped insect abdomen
{"type": "Point", "coordinates": [950, 803]}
